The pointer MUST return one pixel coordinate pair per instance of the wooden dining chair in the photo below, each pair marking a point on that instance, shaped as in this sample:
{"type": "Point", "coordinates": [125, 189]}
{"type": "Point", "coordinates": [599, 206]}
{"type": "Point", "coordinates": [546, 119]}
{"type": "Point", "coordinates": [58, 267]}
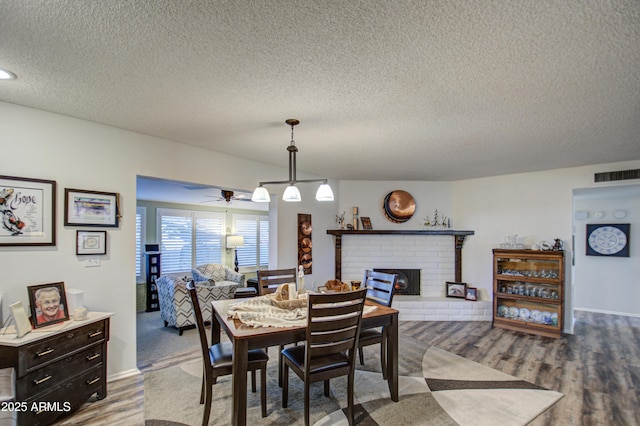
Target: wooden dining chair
{"type": "Point", "coordinates": [333, 327]}
{"type": "Point", "coordinates": [270, 279]}
{"type": "Point", "coordinates": [268, 282]}
{"type": "Point", "coordinates": [380, 287]}
{"type": "Point", "coordinates": [218, 361]}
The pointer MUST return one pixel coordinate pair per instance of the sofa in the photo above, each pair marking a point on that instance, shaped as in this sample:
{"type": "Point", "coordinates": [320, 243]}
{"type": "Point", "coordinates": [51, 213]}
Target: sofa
{"type": "Point", "coordinates": [175, 304]}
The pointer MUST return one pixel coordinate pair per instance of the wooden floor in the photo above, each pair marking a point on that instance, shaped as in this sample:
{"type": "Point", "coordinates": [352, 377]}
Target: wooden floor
{"type": "Point", "coordinates": [597, 369]}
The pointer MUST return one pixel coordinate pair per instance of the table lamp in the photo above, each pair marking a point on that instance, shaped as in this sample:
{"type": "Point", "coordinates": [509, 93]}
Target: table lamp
{"type": "Point", "coordinates": [233, 242]}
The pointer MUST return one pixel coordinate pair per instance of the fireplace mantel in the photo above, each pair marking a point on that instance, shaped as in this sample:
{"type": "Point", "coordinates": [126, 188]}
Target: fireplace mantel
{"type": "Point", "coordinates": [458, 239]}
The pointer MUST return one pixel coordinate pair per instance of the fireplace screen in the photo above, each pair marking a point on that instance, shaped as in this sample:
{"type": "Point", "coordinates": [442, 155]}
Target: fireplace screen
{"type": "Point", "coordinates": [408, 280]}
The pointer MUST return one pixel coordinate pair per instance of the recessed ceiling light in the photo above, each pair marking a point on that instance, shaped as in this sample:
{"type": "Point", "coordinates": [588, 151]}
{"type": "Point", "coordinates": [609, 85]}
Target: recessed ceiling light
{"type": "Point", "coordinates": [7, 75]}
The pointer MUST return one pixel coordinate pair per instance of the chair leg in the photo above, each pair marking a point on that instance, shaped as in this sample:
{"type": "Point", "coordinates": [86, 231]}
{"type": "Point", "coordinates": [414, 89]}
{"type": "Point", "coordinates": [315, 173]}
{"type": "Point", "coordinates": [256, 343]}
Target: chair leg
{"type": "Point", "coordinates": [207, 405]}
{"type": "Point", "coordinates": [350, 398]}
{"type": "Point", "coordinates": [361, 353]}
{"type": "Point", "coordinates": [263, 390]}
{"type": "Point", "coordinates": [285, 386]}
{"type": "Point", "coordinates": [327, 388]}
{"type": "Point", "coordinates": [253, 381]}
{"type": "Point", "coordinates": [202, 390]}
{"type": "Point", "coordinates": [306, 402]}
{"type": "Point", "coordinates": [280, 362]}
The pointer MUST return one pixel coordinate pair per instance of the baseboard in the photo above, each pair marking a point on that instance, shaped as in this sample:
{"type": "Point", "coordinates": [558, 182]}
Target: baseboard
{"type": "Point", "coordinates": [124, 374]}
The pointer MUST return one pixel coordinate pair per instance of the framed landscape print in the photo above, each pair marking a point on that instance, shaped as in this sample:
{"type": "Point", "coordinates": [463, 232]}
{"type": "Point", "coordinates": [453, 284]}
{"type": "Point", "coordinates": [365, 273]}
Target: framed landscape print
{"type": "Point", "coordinates": [90, 208]}
{"type": "Point", "coordinates": [27, 212]}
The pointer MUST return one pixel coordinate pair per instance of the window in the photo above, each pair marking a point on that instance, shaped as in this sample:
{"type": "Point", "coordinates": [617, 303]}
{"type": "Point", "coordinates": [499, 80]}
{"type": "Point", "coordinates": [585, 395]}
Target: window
{"type": "Point", "coordinates": [141, 214]}
{"type": "Point", "coordinates": [255, 230]}
{"type": "Point", "coordinates": [189, 238]}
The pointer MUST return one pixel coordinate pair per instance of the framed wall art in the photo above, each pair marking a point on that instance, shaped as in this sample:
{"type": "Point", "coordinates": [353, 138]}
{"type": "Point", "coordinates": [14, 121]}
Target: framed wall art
{"type": "Point", "coordinates": [305, 245]}
{"type": "Point", "coordinates": [48, 304]}
{"type": "Point", "coordinates": [91, 242]}
{"type": "Point", "coordinates": [455, 289]}
{"type": "Point", "coordinates": [366, 222]}
{"type": "Point", "coordinates": [471, 294]}
{"type": "Point", "coordinates": [90, 208]}
{"type": "Point", "coordinates": [27, 212]}
{"type": "Point", "coordinates": [608, 239]}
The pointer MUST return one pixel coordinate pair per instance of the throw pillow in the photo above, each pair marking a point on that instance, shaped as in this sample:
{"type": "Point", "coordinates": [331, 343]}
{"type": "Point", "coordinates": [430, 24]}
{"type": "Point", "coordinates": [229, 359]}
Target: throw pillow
{"type": "Point", "coordinates": [199, 277]}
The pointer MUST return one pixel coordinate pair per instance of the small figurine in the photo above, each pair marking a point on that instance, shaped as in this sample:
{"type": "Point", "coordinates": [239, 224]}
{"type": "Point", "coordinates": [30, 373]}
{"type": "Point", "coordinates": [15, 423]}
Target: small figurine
{"type": "Point", "coordinates": [558, 245]}
{"type": "Point", "coordinates": [340, 220]}
{"type": "Point", "coordinates": [300, 279]}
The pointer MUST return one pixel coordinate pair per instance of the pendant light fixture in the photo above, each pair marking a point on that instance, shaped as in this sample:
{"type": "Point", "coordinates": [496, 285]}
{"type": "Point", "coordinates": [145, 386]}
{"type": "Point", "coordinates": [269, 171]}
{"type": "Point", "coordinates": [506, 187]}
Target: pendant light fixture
{"type": "Point", "coordinates": [291, 192]}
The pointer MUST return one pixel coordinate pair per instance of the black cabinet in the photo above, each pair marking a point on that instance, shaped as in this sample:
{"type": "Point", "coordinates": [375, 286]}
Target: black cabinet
{"type": "Point", "coordinates": [153, 273]}
{"type": "Point", "coordinates": [58, 370]}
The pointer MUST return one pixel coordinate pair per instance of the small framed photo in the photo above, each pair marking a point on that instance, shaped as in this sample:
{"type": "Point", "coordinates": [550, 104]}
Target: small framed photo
{"type": "Point", "coordinates": [48, 304]}
{"type": "Point", "coordinates": [90, 208]}
{"type": "Point", "coordinates": [91, 242]}
{"type": "Point", "coordinates": [366, 223]}
{"type": "Point", "coordinates": [455, 289]}
{"type": "Point", "coordinates": [471, 294]}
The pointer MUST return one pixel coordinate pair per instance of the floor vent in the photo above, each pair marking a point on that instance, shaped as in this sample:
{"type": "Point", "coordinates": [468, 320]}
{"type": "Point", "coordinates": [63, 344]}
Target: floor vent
{"type": "Point", "coordinates": [620, 175]}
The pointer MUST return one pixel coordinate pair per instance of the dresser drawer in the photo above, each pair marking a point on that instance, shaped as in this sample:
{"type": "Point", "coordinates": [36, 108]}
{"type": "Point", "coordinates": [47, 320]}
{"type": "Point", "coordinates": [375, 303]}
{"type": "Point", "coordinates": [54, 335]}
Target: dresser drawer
{"type": "Point", "coordinates": [44, 378]}
{"type": "Point", "coordinates": [61, 400]}
{"type": "Point", "coordinates": [40, 353]}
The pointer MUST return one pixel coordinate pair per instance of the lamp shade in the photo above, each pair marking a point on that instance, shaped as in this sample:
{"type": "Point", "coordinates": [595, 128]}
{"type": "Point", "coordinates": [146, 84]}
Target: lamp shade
{"type": "Point", "coordinates": [234, 241]}
{"type": "Point", "coordinates": [260, 195]}
{"type": "Point", "coordinates": [324, 193]}
{"type": "Point", "coordinates": [291, 194]}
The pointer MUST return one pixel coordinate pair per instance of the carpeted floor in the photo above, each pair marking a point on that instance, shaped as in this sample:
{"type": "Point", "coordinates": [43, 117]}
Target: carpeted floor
{"type": "Point", "coordinates": [436, 388]}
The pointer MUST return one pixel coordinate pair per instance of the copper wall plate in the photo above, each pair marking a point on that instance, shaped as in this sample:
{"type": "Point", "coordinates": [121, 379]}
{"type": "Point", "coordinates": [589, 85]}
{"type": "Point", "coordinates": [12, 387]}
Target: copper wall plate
{"type": "Point", "coordinates": [398, 206]}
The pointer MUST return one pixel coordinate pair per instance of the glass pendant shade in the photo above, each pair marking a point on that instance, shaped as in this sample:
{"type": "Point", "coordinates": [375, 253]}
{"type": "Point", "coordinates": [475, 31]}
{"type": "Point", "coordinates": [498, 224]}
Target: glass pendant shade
{"type": "Point", "coordinates": [260, 195]}
{"type": "Point", "coordinates": [291, 194]}
{"type": "Point", "coordinates": [324, 193]}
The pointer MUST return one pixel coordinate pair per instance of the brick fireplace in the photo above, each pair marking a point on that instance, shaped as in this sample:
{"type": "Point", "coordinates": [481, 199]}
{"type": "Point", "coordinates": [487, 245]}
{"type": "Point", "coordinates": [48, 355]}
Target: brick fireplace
{"type": "Point", "coordinates": [408, 282]}
{"type": "Point", "coordinates": [437, 255]}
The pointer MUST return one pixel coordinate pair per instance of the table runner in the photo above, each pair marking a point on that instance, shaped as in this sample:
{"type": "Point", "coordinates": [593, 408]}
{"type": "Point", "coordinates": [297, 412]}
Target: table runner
{"type": "Point", "coordinates": [266, 311]}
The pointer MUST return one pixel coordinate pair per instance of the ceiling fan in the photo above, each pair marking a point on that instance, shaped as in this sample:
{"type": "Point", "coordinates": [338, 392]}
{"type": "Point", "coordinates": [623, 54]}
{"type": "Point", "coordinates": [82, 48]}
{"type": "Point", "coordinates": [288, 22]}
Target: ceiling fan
{"type": "Point", "coordinates": [228, 196]}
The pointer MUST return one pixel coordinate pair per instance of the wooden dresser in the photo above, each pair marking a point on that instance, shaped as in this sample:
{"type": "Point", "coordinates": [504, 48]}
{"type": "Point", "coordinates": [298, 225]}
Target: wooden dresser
{"type": "Point", "coordinates": [58, 368]}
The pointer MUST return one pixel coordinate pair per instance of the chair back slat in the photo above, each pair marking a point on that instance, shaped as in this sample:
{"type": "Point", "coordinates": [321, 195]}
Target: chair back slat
{"type": "Point", "coordinates": [197, 313]}
{"type": "Point", "coordinates": [270, 279]}
{"type": "Point", "coordinates": [333, 324]}
{"type": "Point", "coordinates": [380, 286]}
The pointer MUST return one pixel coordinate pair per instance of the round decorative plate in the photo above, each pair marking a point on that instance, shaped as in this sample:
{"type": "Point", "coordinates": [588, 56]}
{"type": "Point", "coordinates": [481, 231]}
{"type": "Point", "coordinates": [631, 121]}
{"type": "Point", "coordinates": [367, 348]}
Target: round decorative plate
{"type": "Point", "coordinates": [524, 314]}
{"type": "Point", "coordinates": [398, 206]}
{"type": "Point", "coordinates": [305, 228]}
{"type": "Point", "coordinates": [536, 316]}
{"type": "Point", "coordinates": [502, 311]}
{"type": "Point", "coordinates": [607, 240]}
{"type": "Point", "coordinates": [305, 261]}
{"type": "Point", "coordinates": [305, 245]}
{"type": "Point", "coordinates": [513, 312]}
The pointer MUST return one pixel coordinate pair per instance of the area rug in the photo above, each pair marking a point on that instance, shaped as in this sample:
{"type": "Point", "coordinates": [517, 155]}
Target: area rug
{"type": "Point", "coordinates": [435, 386]}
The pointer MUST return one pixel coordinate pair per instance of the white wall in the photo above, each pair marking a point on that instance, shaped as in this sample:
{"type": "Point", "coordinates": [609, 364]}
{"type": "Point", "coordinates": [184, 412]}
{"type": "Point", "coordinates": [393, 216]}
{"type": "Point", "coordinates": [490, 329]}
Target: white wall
{"type": "Point", "coordinates": [84, 155]}
{"type": "Point", "coordinates": [537, 206]}
{"type": "Point", "coordinates": [607, 284]}
{"type": "Point", "coordinates": [368, 196]}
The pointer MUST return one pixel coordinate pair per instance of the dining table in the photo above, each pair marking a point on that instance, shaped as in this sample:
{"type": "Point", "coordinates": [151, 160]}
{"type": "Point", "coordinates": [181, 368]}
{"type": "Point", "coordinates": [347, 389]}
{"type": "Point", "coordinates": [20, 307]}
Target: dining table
{"type": "Point", "coordinates": [245, 338]}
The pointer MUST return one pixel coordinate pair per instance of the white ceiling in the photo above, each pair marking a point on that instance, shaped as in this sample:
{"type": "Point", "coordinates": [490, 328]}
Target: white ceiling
{"type": "Point", "coordinates": [384, 90]}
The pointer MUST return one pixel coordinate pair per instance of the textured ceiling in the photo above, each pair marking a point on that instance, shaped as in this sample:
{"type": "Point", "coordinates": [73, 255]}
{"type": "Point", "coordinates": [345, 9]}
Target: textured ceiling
{"type": "Point", "coordinates": [389, 89]}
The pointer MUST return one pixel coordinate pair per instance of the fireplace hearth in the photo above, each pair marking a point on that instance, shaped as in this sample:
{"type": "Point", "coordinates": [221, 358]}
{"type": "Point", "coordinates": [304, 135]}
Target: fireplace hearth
{"type": "Point", "coordinates": [408, 280]}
